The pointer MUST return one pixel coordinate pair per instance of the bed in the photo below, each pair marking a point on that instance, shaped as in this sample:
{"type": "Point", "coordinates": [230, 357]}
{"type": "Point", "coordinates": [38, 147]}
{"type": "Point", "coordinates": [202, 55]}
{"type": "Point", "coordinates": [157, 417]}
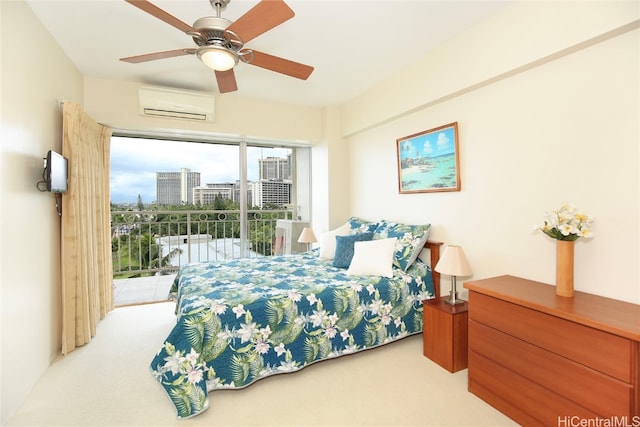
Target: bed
{"type": "Point", "coordinates": [242, 320]}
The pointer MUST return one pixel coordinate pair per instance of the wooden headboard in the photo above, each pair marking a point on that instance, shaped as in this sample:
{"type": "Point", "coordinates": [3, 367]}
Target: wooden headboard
{"type": "Point", "coordinates": [434, 251]}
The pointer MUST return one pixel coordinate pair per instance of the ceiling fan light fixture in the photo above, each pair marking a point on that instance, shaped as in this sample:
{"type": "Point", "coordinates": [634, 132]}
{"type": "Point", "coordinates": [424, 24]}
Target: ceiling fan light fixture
{"type": "Point", "coordinates": [220, 42]}
{"type": "Point", "coordinates": [218, 58]}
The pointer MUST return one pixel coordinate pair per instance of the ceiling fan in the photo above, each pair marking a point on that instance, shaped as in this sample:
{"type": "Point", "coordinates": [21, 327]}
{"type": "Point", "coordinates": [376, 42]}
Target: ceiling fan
{"type": "Point", "coordinates": [220, 42]}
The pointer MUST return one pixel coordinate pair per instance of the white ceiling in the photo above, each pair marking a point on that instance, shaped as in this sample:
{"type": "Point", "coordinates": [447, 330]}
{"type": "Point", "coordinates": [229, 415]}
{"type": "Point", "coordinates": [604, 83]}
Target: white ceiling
{"type": "Point", "coordinates": [352, 44]}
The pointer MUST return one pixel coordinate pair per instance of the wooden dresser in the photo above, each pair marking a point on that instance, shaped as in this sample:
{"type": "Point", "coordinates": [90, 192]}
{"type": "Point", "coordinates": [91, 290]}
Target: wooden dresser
{"type": "Point", "coordinates": [547, 360]}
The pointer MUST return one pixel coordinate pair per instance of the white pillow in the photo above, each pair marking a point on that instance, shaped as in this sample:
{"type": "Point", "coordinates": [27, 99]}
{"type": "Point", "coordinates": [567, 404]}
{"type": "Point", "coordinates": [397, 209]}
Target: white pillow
{"type": "Point", "coordinates": [328, 241]}
{"type": "Point", "coordinates": [373, 258]}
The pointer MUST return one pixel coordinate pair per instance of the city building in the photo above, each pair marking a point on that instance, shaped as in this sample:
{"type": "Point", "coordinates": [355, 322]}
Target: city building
{"type": "Point", "coordinates": [271, 193]}
{"type": "Point", "coordinates": [272, 189]}
{"type": "Point", "coordinates": [206, 194]}
{"type": "Point", "coordinates": [176, 188]}
{"type": "Point", "coordinates": [275, 168]}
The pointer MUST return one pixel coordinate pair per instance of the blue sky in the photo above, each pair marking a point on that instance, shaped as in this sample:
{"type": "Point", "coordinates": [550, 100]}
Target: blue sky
{"type": "Point", "coordinates": [429, 145]}
{"type": "Point", "coordinates": [135, 161]}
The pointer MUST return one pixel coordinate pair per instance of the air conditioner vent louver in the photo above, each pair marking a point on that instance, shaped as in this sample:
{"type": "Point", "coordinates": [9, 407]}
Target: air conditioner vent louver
{"type": "Point", "coordinates": [174, 114]}
{"type": "Point", "coordinates": [176, 104]}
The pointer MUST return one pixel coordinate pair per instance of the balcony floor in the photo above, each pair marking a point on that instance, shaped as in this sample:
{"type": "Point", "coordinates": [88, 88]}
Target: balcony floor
{"type": "Point", "coordinates": [141, 290]}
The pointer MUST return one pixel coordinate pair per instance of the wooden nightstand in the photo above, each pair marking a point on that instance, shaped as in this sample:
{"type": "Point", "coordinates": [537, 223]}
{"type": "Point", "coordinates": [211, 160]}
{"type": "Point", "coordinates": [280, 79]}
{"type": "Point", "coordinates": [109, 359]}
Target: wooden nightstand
{"type": "Point", "coordinates": [445, 333]}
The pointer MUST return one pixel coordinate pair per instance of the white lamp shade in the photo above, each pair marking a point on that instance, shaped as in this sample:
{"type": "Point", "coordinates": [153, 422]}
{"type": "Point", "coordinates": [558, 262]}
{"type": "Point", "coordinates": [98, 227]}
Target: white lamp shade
{"type": "Point", "coordinates": [453, 262]}
{"type": "Point", "coordinates": [217, 58]}
{"type": "Point", "coordinates": [307, 236]}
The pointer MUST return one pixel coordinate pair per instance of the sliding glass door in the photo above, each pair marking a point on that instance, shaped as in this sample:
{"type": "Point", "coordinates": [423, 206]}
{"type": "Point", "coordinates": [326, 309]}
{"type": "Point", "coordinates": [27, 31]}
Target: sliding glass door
{"type": "Point", "coordinates": [175, 202]}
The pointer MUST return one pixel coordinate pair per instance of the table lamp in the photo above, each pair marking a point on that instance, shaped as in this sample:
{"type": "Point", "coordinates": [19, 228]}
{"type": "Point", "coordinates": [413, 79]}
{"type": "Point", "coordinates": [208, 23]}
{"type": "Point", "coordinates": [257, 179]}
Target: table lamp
{"type": "Point", "coordinates": [307, 236]}
{"type": "Point", "coordinates": [453, 263]}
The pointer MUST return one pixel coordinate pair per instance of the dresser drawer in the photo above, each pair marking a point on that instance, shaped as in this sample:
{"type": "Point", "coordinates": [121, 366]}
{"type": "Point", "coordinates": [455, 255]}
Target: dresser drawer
{"type": "Point", "coordinates": [602, 394]}
{"type": "Point", "coordinates": [565, 338]}
{"type": "Point", "coordinates": [519, 398]}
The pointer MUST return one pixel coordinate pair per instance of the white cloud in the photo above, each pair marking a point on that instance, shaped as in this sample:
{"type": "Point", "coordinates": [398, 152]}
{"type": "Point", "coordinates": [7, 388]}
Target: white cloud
{"type": "Point", "coordinates": [443, 141]}
{"type": "Point", "coordinates": [427, 148]}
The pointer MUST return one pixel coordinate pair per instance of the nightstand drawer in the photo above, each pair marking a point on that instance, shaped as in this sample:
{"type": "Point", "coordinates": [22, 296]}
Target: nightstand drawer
{"type": "Point", "coordinates": [566, 378]}
{"type": "Point", "coordinates": [565, 338]}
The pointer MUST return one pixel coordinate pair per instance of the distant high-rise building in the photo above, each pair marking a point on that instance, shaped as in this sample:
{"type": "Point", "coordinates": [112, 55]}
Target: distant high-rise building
{"type": "Point", "coordinates": [274, 192]}
{"type": "Point", "coordinates": [274, 182]}
{"type": "Point", "coordinates": [176, 188]}
{"type": "Point", "coordinates": [272, 189]}
{"type": "Point", "coordinates": [274, 168]}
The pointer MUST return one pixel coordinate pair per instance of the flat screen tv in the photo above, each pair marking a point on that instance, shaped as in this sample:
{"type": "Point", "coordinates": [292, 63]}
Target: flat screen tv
{"type": "Point", "coordinates": [56, 172]}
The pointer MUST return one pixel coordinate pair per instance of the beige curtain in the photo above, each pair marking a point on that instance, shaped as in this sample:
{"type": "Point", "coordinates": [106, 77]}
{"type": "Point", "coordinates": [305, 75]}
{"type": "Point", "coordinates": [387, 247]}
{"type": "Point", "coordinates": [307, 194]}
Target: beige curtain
{"type": "Point", "coordinates": [87, 290]}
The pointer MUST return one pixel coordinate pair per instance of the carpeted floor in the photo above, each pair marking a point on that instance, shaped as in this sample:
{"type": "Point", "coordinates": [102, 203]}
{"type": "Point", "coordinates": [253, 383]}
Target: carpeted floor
{"type": "Point", "coordinates": [108, 383]}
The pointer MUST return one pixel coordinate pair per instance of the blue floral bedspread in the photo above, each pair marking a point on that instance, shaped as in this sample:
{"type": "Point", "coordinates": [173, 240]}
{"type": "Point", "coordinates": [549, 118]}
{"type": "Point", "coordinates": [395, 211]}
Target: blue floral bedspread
{"type": "Point", "coordinates": [242, 320]}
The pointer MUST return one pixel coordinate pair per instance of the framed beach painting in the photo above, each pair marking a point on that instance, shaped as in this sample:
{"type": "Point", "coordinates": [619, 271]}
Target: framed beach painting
{"type": "Point", "coordinates": [428, 161]}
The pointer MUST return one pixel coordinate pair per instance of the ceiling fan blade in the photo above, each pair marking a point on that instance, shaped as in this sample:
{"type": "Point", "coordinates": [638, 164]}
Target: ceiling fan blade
{"type": "Point", "coordinates": [261, 18]}
{"type": "Point", "coordinates": [226, 81]}
{"type": "Point", "coordinates": [157, 55]}
{"type": "Point", "coordinates": [154, 10]}
{"type": "Point", "coordinates": [281, 65]}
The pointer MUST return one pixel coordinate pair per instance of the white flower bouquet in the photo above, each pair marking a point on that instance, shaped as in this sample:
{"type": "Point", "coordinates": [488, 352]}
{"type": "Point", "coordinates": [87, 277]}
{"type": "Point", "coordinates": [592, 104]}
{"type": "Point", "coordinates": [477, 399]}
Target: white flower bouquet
{"type": "Point", "coordinates": [567, 223]}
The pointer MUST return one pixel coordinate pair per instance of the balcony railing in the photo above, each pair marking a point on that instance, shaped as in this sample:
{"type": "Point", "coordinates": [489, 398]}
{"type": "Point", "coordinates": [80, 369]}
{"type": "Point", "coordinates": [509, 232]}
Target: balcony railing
{"type": "Point", "coordinates": [161, 241]}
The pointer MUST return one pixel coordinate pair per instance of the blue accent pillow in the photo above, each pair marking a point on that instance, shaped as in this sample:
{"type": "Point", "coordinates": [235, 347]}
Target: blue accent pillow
{"type": "Point", "coordinates": [344, 248]}
{"type": "Point", "coordinates": [411, 240]}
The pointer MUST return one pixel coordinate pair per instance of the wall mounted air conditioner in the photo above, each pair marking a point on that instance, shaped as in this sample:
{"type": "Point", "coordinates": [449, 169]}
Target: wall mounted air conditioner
{"type": "Point", "coordinates": [176, 104]}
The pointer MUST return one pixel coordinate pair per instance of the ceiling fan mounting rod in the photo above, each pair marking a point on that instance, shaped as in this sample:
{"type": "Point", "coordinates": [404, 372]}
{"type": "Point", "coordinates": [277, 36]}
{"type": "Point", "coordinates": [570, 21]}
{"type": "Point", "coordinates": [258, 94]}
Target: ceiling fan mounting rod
{"type": "Point", "coordinates": [219, 5]}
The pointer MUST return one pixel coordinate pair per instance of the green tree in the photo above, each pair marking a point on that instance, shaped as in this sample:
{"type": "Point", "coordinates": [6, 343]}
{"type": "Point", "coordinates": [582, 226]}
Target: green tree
{"type": "Point", "coordinates": [219, 203]}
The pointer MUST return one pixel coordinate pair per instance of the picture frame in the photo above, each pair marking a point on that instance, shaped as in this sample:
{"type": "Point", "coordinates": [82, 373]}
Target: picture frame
{"type": "Point", "coordinates": [429, 161]}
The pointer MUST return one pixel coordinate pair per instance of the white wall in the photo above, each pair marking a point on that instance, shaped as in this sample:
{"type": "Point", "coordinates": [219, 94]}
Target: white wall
{"type": "Point", "coordinates": [330, 175]}
{"type": "Point", "coordinates": [566, 129]}
{"type": "Point", "coordinates": [519, 36]}
{"type": "Point", "coordinates": [30, 237]}
{"type": "Point", "coordinates": [115, 103]}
